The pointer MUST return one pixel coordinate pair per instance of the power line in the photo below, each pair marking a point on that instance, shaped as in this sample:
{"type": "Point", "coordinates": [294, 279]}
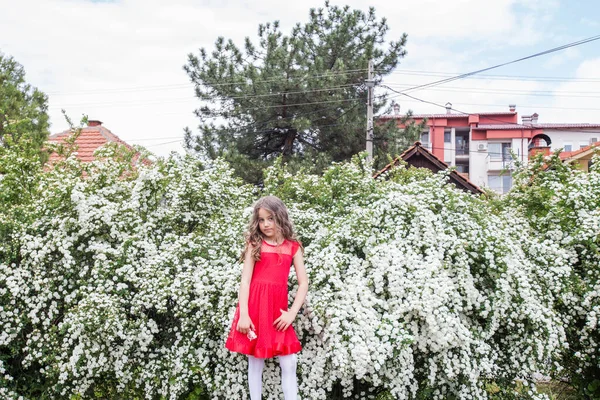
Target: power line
{"type": "Point", "coordinates": [160, 144]}
{"type": "Point", "coordinates": [188, 86]}
{"type": "Point", "coordinates": [487, 117]}
{"type": "Point", "coordinates": [191, 84]}
{"type": "Point", "coordinates": [466, 89]}
{"type": "Point", "coordinates": [461, 76]}
{"type": "Point", "coordinates": [524, 106]}
{"type": "Point", "coordinates": [496, 77]}
{"type": "Point", "coordinates": [331, 73]}
{"type": "Point", "coordinates": [185, 99]}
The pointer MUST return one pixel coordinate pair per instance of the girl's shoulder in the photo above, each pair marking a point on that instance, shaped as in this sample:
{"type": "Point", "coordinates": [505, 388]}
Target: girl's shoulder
{"type": "Point", "coordinates": [295, 244]}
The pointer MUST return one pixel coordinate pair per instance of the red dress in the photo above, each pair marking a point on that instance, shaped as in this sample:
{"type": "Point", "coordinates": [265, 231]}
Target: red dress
{"type": "Point", "coordinates": [268, 295]}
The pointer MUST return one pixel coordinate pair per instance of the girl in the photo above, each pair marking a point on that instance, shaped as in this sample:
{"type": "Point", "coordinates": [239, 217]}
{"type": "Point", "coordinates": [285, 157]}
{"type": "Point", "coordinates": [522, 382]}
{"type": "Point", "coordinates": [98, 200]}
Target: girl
{"type": "Point", "coordinates": [262, 325]}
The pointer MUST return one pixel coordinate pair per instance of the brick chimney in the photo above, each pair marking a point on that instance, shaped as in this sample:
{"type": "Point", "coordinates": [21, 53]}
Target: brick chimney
{"type": "Point", "coordinates": [534, 118]}
{"type": "Point", "coordinates": [396, 108]}
{"type": "Point", "coordinates": [448, 108]}
{"type": "Point", "coordinates": [512, 107]}
{"type": "Point", "coordinates": [545, 150]}
{"type": "Point", "coordinates": [94, 122]}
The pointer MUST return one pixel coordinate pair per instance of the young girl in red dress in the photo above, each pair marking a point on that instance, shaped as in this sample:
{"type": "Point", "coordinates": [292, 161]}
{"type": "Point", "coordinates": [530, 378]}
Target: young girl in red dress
{"type": "Point", "coordinates": [262, 325]}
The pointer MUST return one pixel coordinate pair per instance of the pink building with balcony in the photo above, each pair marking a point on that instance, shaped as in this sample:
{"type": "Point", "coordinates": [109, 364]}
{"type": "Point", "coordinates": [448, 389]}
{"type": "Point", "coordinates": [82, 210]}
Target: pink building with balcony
{"type": "Point", "coordinates": [481, 145]}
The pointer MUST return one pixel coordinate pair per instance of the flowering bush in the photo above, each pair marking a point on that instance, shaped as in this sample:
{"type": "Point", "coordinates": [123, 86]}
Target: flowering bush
{"type": "Point", "coordinates": [103, 296]}
{"type": "Point", "coordinates": [562, 206]}
{"type": "Point", "coordinates": [417, 287]}
{"type": "Point", "coordinates": [125, 284]}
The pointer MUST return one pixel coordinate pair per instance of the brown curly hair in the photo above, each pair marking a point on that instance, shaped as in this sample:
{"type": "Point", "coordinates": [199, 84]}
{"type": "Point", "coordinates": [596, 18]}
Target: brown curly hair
{"type": "Point", "coordinates": [254, 236]}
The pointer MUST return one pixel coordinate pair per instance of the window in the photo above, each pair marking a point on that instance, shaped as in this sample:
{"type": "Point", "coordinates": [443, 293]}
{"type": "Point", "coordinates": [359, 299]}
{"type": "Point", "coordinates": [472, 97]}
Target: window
{"type": "Point", "coordinates": [447, 136]}
{"type": "Point", "coordinates": [593, 140]}
{"type": "Point", "coordinates": [462, 168]}
{"type": "Point", "coordinates": [462, 144]}
{"type": "Point", "coordinates": [425, 139]}
{"type": "Point", "coordinates": [568, 147]}
{"type": "Point", "coordinates": [499, 151]}
{"type": "Point", "coordinates": [500, 183]}
{"type": "Point", "coordinates": [582, 145]}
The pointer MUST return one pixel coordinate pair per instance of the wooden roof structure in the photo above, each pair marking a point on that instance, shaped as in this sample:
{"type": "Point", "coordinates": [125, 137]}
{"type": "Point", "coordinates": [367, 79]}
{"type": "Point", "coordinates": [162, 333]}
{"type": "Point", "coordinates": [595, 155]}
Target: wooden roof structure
{"type": "Point", "coordinates": [419, 157]}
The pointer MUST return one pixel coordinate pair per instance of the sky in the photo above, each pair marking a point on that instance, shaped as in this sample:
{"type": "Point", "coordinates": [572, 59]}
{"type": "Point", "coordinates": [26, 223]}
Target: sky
{"type": "Point", "coordinates": [122, 61]}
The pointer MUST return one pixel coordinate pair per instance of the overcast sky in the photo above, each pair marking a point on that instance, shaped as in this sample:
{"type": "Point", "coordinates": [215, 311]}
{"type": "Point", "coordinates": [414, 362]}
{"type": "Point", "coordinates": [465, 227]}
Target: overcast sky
{"type": "Point", "coordinates": [122, 61]}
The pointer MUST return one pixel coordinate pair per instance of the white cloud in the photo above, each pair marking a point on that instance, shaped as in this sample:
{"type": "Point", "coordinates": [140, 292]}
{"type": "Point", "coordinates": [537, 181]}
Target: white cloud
{"type": "Point", "coordinates": [579, 99]}
{"type": "Point", "coordinates": [562, 57]}
{"type": "Point", "coordinates": [589, 22]}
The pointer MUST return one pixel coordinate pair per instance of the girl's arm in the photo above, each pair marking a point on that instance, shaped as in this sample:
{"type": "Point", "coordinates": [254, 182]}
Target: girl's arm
{"type": "Point", "coordinates": [287, 317]}
{"type": "Point", "coordinates": [244, 322]}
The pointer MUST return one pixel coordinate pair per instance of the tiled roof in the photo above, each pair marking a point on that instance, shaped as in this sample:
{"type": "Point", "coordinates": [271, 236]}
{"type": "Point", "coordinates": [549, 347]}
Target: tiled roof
{"type": "Point", "coordinates": [503, 127]}
{"type": "Point", "coordinates": [420, 116]}
{"type": "Point", "coordinates": [90, 140]}
{"type": "Point", "coordinates": [571, 154]}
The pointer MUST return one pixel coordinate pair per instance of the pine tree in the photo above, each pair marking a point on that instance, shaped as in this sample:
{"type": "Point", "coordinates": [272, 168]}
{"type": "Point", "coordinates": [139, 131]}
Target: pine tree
{"type": "Point", "coordinates": [301, 96]}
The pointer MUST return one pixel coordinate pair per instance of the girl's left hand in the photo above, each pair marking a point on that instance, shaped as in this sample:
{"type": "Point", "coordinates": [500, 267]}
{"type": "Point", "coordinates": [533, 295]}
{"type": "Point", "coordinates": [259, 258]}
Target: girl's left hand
{"type": "Point", "coordinates": [284, 321]}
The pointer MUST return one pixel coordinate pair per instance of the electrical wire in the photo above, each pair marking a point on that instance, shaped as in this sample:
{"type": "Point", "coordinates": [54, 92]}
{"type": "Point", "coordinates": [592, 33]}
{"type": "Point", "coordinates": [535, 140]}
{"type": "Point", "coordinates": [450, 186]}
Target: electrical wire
{"type": "Point", "coordinates": [524, 106]}
{"type": "Point", "coordinates": [487, 117]}
{"type": "Point", "coordinates": [187, 85]}
{"type": "Point", "coordinates": [465, 89]}
{"type": "Point", "coordinates": [185, 99]}
{"type": "Point", "coordinates": [461, 76]}
{"type": "Point", "coordinates": [497, 77]}
{"type": "Point", "coordinates": [160, 144]}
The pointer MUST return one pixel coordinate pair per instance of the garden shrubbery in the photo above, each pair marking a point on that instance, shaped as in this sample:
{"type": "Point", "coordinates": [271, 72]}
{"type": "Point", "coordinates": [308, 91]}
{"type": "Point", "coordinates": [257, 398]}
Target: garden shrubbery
{"type": "Point", "coordinates": [562, 207]}
{"type": "Point", "coordinates": [122, 282]}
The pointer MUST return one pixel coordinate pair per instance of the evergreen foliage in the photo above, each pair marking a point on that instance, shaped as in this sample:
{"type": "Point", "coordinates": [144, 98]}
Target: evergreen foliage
{"type": "Point", "coordinates": [23, 108]}
{"type": "Point", "coordinates": [300, 95]}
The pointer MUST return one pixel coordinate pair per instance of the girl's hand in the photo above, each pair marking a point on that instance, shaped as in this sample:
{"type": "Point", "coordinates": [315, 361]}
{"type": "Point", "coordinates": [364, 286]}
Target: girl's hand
{"type": "Point", "coordinates": [245, 324]}
{"type": "Point", "coordinates": [285, 320]}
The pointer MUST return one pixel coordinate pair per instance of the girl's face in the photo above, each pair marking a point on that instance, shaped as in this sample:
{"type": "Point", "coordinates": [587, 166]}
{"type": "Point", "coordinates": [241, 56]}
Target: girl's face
{"type": "Point", "coordinates": [267, 224]}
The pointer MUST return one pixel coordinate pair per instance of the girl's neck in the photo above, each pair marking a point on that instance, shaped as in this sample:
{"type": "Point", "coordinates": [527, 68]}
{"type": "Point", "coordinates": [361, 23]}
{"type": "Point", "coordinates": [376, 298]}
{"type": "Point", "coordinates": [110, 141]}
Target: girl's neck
{"type": "Point", "coordinates": [274, 242]}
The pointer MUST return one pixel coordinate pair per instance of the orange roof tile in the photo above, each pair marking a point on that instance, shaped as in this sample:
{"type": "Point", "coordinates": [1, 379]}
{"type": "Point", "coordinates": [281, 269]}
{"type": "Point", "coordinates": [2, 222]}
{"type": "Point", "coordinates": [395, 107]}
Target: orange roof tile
{"type": "Point", "coordinates": [90, 139]}
{"type": "Point", "coordinates": [570, 154]}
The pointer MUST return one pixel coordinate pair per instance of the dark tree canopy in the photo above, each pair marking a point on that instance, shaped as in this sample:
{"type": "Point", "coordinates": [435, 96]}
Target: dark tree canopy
{"type": "Point", "coordinates": [23, 108]}
{"type": "Point", "coordinates": [301, 96]}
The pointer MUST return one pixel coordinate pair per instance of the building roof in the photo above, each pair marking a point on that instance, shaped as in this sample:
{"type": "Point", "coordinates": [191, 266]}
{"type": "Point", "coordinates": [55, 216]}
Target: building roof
{"type": "Point", "coordinates": [535, 126]}
{"type": "Point", "coordinates": [574, 155]}
{"type": "Point", "coordinates": [453, 115]}
{"type": "Point", "coordinates": [434, 164]}
{"type": "Point", "coordinates": [90, 139]}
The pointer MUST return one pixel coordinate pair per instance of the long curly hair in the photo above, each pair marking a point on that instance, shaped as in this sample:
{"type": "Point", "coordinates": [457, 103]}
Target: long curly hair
{"type": "Point", "coordinates": [254, 236]}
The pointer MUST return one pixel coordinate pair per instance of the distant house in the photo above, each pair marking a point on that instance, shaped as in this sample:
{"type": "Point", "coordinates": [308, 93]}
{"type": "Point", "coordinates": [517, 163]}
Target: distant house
{"type": "Point", "coordinates": [419, 157]}
{"type": "Point", "coordinates": [481, 144]}
{"type": "Point", "coordinates": [91, 138]}
{"type": "Point", "coordinates": [582, 158]}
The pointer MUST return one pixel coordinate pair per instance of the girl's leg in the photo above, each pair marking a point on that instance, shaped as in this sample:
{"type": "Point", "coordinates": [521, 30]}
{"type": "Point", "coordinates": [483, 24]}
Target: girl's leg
{"type": "Point", "coordinates": [289, 383]}
{"type": "Point", "coordinates": [255, 369]}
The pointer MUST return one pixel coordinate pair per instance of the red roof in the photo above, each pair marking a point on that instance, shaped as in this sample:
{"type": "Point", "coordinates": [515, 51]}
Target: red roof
{"type": "Point", "coordinates": [569, 154]}
{"type": "Point", "coordinates": [90, 139]}
{"type": "Point", "coordinates": [453, 115]}
{"type": "Point", "coordinates": [536, 126]}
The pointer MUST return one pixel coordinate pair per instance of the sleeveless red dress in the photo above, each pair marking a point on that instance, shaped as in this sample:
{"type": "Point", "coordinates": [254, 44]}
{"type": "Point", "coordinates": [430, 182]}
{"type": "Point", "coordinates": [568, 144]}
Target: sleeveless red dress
{"type": "Point", "coordinates": [268, 295]}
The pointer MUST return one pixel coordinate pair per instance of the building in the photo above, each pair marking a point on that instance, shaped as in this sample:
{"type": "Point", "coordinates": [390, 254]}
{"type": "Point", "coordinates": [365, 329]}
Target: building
{"type": "Point", "coordinates": [91, 138]}
{"type": "Point", "coordinates": [419, 157]}
{"type": "Point", "coordinates": [582, 158]}
{"type": "Point", "coordinates": [481, 145]}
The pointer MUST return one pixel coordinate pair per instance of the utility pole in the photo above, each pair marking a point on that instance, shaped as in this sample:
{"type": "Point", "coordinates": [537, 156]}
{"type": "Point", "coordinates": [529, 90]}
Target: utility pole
{"type": "Point", "coordinates": [370, 87]}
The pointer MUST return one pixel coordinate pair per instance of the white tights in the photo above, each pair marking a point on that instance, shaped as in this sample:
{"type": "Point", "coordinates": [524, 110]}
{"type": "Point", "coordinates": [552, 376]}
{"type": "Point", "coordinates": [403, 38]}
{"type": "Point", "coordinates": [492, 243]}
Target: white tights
{"type": "Point", "coordinates": [288, 376]}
